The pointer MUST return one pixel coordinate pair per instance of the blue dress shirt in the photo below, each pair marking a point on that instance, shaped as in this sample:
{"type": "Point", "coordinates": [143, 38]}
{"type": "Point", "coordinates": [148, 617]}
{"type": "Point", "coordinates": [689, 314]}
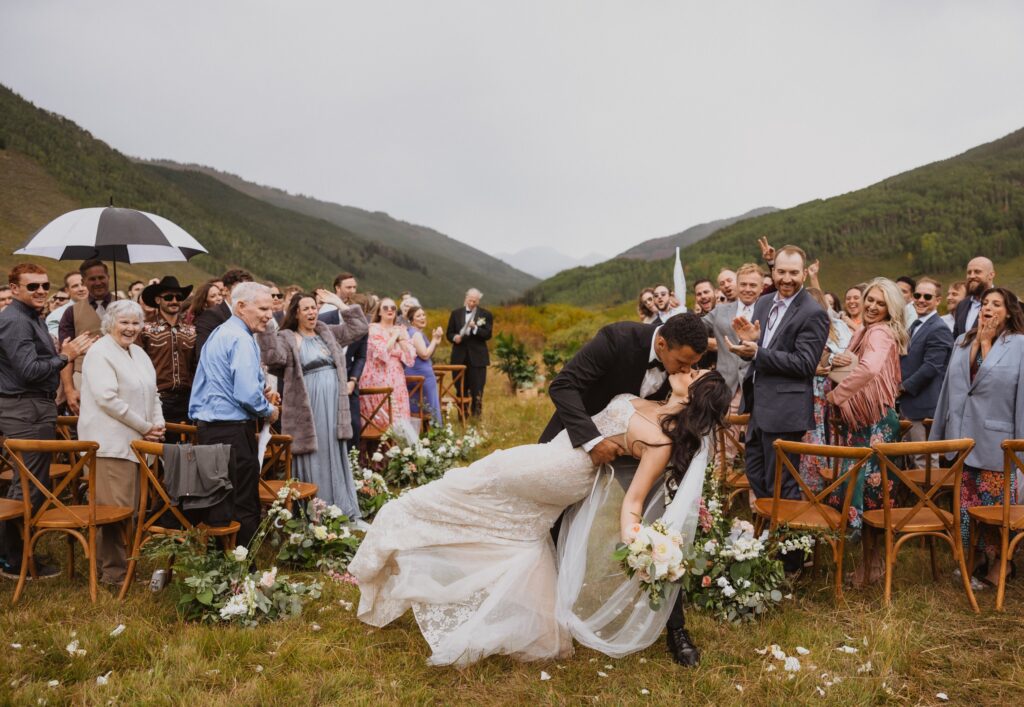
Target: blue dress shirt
{"type": "Point", "coordinates": [229, 381]}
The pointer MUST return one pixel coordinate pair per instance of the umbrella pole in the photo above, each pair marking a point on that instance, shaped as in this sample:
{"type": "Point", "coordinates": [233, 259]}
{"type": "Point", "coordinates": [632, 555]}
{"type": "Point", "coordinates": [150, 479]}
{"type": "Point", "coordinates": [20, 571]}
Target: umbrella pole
{"type": "Point", "coordinates": [115, 278]}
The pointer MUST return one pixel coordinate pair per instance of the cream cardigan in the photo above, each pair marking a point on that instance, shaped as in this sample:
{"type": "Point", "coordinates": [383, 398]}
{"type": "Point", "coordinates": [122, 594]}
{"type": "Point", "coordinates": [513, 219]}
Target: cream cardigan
{"type": "Point", "coordinates": [119, 402]}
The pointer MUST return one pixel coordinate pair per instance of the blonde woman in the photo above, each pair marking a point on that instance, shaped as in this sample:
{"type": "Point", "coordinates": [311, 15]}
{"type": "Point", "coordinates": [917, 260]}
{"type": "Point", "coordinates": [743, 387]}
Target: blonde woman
{"type": "Point", "coordinates": [866, 399]}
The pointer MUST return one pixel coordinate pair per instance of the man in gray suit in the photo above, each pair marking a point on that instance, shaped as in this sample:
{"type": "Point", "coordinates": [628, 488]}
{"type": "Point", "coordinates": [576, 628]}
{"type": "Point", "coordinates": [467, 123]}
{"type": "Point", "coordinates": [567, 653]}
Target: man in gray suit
{"type": "Point", "coordinates": [923, 367]}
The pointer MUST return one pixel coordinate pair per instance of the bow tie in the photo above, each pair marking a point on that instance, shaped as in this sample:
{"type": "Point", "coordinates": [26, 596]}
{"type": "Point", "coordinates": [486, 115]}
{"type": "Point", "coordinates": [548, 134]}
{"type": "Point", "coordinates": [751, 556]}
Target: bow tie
{"type": "Point", "coordinates": [655, 364]}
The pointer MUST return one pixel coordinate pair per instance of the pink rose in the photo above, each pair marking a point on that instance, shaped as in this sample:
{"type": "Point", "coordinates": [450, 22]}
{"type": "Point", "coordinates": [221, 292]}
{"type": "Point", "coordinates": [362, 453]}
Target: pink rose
{"type": "Point", "coordinates": [705, 581]}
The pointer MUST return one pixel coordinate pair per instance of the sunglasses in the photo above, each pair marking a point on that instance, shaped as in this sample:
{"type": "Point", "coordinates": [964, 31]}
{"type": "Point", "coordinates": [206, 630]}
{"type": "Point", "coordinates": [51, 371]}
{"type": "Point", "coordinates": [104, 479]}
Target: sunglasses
{"type": "Point", "coordinates": [33, 286]}
{"type": "Point", "coordinates": [389, 308]}
{"type": "Point", "coordinates": [277, 295]}
{"type": "Point", "coordinates": [61, 299]}
{"type": "Point", "coordinates": [922, 295]}
{"type": "Point", "coordinates": [172, 297]}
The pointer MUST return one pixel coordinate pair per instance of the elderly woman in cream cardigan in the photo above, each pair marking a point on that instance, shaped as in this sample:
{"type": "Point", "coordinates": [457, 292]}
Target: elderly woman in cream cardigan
{"type": "Point", "coordinates": [119, 404]}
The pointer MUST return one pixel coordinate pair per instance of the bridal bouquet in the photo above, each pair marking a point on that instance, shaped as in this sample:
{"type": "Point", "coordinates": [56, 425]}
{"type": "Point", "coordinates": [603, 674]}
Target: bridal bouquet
{"type": "Point", "coordinates": [654, 556]}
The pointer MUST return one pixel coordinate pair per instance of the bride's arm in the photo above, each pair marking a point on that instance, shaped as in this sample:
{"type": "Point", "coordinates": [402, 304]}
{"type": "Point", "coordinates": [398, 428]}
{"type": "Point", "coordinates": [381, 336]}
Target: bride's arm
{"type": "Point", "coordinates": [652, 465]}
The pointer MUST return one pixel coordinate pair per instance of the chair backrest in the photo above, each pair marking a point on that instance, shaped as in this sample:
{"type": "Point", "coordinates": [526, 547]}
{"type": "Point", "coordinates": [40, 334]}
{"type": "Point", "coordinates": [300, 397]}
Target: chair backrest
{"type": "Point", "coordinates": [415, 386]}
{"type": "Point", "coordinates": [277, 456]}
{"type": "Point", "coordinates": [924, 492]}
{"type": "Point", "coordinates": [369, 426]}
{"type": "Point", "coordinates": [180, 432]}
{"type": "Point", "coordinates": [727, 433]}
{"type": "Point", "coordinates": [1012, 448]}
{"type": "Point", "coordinates": [452, 387]}
{"type": "Point", "coordinates": [66, 426]}
{"type": "Point", "coordinates": [151, 486]}
{"type": "Point", "coordinates": [82, 456]}
{"type": "Point", "coordinates": [818, 501]}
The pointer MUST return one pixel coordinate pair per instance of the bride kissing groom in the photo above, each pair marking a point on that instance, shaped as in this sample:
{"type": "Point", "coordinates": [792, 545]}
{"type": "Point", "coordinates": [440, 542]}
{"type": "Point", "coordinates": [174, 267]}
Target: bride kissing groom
{"type": "Point", "coordinates": [471, 553]}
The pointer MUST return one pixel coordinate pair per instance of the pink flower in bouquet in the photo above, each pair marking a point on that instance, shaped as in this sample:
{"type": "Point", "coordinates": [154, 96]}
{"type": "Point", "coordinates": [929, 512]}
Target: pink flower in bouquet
{"type": "Point", "coordinates": [705, 581]}
{"type": "Point", "coordinates": [632, 532]}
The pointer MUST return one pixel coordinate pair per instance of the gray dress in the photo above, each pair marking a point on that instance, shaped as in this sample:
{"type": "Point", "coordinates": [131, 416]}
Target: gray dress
{"type": "Point", "coordinates": [328, 466]}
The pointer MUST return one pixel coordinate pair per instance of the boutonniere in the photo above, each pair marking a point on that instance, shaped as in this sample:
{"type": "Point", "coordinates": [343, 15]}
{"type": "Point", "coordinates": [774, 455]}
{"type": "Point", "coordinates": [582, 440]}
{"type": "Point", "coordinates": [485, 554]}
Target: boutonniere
{"type": "Point", "coordinates": [481, 322]}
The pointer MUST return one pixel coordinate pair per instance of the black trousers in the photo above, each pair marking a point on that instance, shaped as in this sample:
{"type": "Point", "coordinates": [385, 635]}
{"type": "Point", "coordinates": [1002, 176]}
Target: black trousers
{"type": "Point", "coordinates": [175, 405]}
{"type": "Point", "coordinates": [476, 379]}
{"type": "Point", "coordinates": [26, 418]}
{"type": "Point", "coordinates": [244, 470]}
{"type": "Point", "coordinates": [357, 422]}
{"type": "Point", "coordinates": [760, 470]}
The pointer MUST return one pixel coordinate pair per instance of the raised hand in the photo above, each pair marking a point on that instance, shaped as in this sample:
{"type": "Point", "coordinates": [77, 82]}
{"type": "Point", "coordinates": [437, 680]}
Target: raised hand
{"type": "Point", "coordinates": [813, 268]}
{"type": "Point", "coordinates": [328, 297]}
{"type": "Point", "coordinates": [744, 349]}
{"type": "Point", "coordinates": [73, 348]}
{"type": "Point", "coordinates": [987, 331]}
{"type": "Point", "coordinates": [767, 252]}
{"type": "Point", "coordinates": [745, 330]}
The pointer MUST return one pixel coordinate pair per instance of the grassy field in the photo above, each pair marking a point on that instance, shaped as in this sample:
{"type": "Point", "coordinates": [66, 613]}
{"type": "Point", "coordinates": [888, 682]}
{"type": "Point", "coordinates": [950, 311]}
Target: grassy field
{"type": "Point", "coordinates": [926, 643]}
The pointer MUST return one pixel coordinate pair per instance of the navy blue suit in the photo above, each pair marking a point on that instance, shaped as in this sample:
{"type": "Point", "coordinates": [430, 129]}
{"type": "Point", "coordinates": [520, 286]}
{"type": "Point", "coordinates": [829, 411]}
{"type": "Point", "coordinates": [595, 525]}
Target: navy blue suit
{"type": "Point", "coordinates": [923, 368]}
{"type": "Point", "coordinates": [355, 362]}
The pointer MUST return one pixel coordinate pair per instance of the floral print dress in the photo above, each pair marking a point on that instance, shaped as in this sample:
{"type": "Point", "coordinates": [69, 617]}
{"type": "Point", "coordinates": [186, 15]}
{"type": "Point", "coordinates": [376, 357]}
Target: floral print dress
{"type": "Point", "coordinates": [385, 368]}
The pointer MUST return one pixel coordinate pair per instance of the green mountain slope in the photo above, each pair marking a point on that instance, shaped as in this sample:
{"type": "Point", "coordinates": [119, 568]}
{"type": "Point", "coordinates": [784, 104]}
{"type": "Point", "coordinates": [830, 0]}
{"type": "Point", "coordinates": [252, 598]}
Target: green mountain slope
{"type": "Point", "coordinates": [445, 257]}
{"type": "Point", "coordinates": [238, 230]}
{"type": "Point", "coordinates": [665, 247]}
{"type": "Point", "coordinates": [929, 220]}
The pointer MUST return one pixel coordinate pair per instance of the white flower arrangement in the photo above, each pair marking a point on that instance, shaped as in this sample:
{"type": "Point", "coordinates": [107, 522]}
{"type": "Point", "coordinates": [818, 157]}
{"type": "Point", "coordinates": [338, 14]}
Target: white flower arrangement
{"type": "Point", "coordinates": [654, 556]}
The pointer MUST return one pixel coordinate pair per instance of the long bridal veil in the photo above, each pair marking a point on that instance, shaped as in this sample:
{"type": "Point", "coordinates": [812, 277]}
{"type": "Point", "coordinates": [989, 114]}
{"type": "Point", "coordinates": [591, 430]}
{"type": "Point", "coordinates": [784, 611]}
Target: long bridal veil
{"type": "Point", "coordinates": [602, 607]}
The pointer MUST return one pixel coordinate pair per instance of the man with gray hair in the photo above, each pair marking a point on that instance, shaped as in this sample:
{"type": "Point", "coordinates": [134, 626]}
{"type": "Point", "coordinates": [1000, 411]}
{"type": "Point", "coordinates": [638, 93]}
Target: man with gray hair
{"type": "Point", "coordinates": [469, 328]}
{"type": "Point", "coordinates": [230, 397]}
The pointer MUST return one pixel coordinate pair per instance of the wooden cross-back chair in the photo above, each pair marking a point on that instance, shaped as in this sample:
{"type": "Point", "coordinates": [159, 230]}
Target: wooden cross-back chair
{"type": "Point", "coordinates": [380, 399]}
{"type": "Point", "coordinates": [451, 385]}
{"type": "Point", "coordinates": [418, 399]}
{"type": "Point", "coordinates": [154, 505]}
{"type": "Point", "coordinates": [734, 480]}
{"type": "Point", "coordinates": [812, 512]}
{"type": "Point", "coordinates": [60, 465]}
{"type": "Point", "coordinates": [1007, 517]}
{"type": "Point", "coordinates": [76, 521]}
{"type": "Point", "coordinates": [924, 519]}
{"type": "Point", "coordinates": [276, 471]}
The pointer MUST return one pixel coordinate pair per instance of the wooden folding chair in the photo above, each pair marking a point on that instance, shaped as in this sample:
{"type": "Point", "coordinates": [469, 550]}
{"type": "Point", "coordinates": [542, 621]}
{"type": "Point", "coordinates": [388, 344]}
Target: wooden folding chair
{"type": "Point", "coordinates": [54, 516]}
{"type": "Point", "coordinates": [451, 385]}
{"type": "Point", "coordinates": [418, 400]}
{"type": "Point", "coordinates": [812, 512]}
{"type": "Point", "coordinates": [155, 503]}
{"type": "Point", "coordinates": [276, 471]}
{"type": "Point", "coordinates": [1008, 517]}
{"type": "Point", "coordinates": [924, 519]}
{"type": "Point", "coordinates": [735, 481]}
{"type": "Point", "coordinates": [180, 432]}
{"type": "Point", "coordinates": [380, 398]}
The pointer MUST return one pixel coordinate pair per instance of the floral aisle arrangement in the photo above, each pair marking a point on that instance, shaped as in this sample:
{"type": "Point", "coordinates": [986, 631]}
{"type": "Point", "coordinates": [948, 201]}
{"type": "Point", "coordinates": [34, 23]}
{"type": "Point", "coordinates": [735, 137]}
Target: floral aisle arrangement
{"type": "Point", "coordinates": [415, 463]}
{"type": "Point", "coordinates": [316, 536]}
{"type": "Point", "coordinates": [733, 573]}
{"type": "Point", "coordinates": [372, 490]}
{"type": "Point", "coordinates": [219, 587]}
{"type": "Point", "coordinates": [654, 556]}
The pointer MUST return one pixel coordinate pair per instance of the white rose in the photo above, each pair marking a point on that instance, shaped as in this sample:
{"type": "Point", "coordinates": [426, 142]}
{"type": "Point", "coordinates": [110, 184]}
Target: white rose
{"type": "Point", "coordinates": [334, 512]}
{"type": "Point", "coordinates": [728, 591]}
{"type": "Point", "coordinates": [268, 578]}
{"type": "Point", "coordinates": [240, 553]}
{"type": "Point", "coordinates": [377, 457]}
{"type": "Point", "coordinates": [710, 546]}
{"type": "Point", "coordinates": [406, 452]}
{"type": "Point", "coordinates": [722, 582]}
{"type": "Point", "coordinates": [295, 538]}
{"type": "Point", "coordinates": [320, 532]}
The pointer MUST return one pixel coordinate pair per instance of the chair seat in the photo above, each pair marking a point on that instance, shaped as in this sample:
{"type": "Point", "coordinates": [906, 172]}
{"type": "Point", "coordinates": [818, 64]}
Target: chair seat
{"type": "Point", "coordinates": [7, 475]}
{"type": "Point", "coordinates": [59, 469]}
{"type": "Point", "coordinates": [918, 476]}
{"type": "Point", "coordinates": [369, 433]}
{"type": "Point", "coordinates": [922, 520]}
{"type": "Point", "coordinates": [9, 510]}
{"type": "Point", "coordinates": [800, 514]}
{"type": "Point", "coordinates": [211, 530]}
{"type": "Point", "coordinates": [78, 516]}
{"type": "Point", "coordinates": [269, 488]}
{"type": "Point", "coordinates": [993, 515]}
{"type": "Point", "coordinates": [737, 480]}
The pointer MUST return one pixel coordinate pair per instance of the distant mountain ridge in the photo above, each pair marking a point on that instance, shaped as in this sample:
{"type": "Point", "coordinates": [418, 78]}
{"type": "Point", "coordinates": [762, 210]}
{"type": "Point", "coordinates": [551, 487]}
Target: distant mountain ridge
{"type": "Point", "coordinates": [543, 262]}
{"type": "Point", "coordinates": [665, 247]}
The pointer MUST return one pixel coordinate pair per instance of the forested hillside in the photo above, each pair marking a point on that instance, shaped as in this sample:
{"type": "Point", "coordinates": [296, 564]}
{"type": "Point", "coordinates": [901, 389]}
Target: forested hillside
{"type": "Point", "coordinates": [929, 220]}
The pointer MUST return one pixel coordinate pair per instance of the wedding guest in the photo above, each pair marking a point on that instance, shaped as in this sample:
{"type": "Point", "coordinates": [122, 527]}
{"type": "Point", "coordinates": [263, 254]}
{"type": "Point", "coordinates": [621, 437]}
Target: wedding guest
{"type": "Point", "coordinates": [981, 276]}
{"type": "Point", "coordinates": [388, 352]}
{"type": "Point", "coordinates": [346, 286]}
{"type": "Point", "coordinates": [982, 399]}
{"type": "Point", "coordinates": [29, 376]}
{"type": "Point", "coordinates": [279, 302]}
{"type": "Point", "coordinates": [230, 397]}
{"type": "Point", "coordinates": [423, 364]}
{"type": "Point", "coordinates": [77, 291]}
{"type": "Point", "coordinates": [170, 344]}
{"type": "Point", "coordinates": [645, 305]}
{"type": "Point", "coordinates": [727, 284]}
{"type": "Point", "coordinates": [907, 286]}
{"type": "Point", "coordinates": [213, 317]}
{"type": "Point", "coordinates": [135, 290]}
{"type": "Point", "coordinates": [954, 296]}
{"type": "Point", "coordinates": [866, 399]}
{"type": "Point", "coordinates": [853, 306]}
{"type": "Point", "coordinates": [469, 328]}
{"type": "Point", "coordinates": [404, 306]}
{"type": "Point", "coordinates": [83, 318]}
{"type": "Point", "coordinates": [704, 296]}
{"type": "Point", "coordinates": [6, 297]}
{"type": "Point", "coordinates": [923, 368]}
{"type": "Point", "coordinates": [308, 356]}
{"type": "Point", "coordinates": [833, 303]}
{"type": "Point", "coordinates": [119, 405]}
{"type": "Point", "coordinates": [206, 296]}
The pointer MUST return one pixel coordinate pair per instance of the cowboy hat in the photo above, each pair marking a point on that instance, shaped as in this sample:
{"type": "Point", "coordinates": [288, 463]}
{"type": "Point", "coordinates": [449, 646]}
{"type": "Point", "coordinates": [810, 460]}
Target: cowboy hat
{"type": "Point", "coordinates": [168, 284]}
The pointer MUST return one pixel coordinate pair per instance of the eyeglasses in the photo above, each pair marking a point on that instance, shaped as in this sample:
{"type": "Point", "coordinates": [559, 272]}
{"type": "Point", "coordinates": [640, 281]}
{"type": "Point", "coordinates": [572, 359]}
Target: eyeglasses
{"type": "Point", "coordinates": [172, 297]}
{"type": "Point", "coordinates": [33, 286]}
{"type": "Point", "coordinates": [925, 297]}
{"type": "Point", "coordinates": [388, 308]}
{"type": "Point", "coordinates": [277, 295]}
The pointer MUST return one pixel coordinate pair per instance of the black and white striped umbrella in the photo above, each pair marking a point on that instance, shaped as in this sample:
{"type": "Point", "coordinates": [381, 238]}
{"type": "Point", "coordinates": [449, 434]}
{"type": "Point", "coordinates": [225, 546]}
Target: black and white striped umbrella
{"type": "Point", "coordinates": [115, 234]}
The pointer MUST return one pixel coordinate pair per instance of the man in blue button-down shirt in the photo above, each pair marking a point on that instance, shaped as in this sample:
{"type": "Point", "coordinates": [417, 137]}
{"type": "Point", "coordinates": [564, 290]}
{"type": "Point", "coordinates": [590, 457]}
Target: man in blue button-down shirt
{"type": "Point", "coordinates": [229, 397]}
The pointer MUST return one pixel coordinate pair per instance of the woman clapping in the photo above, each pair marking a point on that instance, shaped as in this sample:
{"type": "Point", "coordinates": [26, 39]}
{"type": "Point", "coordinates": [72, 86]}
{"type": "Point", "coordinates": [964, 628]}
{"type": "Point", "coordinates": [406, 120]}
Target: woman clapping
{"type": "Point", "coordinates": [388, 352]}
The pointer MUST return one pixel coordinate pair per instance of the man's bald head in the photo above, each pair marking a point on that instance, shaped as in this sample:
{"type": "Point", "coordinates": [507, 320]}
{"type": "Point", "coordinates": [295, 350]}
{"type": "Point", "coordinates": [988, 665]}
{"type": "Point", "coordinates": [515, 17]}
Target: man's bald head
{"type": "Point", "coordinates": [980, 276]}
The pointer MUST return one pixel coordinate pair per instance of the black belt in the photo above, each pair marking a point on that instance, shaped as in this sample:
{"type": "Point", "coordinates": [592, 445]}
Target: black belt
{"type": "Point", "coordinates": [224, 423]}
{"type": "Point", "coordinates": [33, 395]}
{"type": "Point", "coordinates": [317, 365]}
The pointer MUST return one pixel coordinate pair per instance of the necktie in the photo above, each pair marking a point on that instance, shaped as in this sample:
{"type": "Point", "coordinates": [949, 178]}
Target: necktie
{"type": "Point", "coordinates": [914, 327]}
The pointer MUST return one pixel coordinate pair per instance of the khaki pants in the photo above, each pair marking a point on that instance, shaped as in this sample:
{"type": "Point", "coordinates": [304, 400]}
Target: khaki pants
{"type": "Point", "coordinates": [117, 484]}
{"type": "Point", "coordinates": [917, 433]}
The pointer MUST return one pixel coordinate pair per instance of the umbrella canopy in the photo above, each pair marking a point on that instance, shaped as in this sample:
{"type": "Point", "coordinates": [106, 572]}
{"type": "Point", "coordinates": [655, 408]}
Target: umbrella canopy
{"type": "Point", "coordinates": [109, 233]}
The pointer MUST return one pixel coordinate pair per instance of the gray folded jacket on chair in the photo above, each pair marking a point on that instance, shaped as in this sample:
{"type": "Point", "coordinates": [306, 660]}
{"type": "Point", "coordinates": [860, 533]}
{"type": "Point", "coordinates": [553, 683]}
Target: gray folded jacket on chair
{"type": "Point", "coordinates": [196, 475]}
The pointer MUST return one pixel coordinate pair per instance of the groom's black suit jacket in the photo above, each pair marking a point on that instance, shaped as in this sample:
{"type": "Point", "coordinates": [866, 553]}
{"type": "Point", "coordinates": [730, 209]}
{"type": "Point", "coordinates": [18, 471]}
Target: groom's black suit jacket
{"type": "Point", "coordinates": [613, 362]}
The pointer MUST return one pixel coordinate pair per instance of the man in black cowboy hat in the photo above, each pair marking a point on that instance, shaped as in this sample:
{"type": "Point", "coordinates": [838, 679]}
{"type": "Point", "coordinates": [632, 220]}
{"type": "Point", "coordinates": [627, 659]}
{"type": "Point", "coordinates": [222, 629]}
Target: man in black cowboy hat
{"type": "Point", "coordinates": [171, 345]}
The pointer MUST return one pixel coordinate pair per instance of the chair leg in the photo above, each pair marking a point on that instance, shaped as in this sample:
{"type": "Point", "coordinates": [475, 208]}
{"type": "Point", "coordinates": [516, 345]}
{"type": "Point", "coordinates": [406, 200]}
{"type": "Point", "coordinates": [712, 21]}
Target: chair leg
{"type": "Point", "coordinates": [26, 559]}
{"type": "Point", "coordinates": [837, 554]}
{"type": "Point", "coordinates": [890, 564]}
{"type": "Point", "coordinates": [931, 553]}
{"type": "Point", "coordinates": [972, 540]}
{"type": "Point", "coordinates": [71, 557]}
{"type": "Point", "coordinates": [92, 563]}
{"type": "Point", "coordinates": [1004, 555]}
{"type": "Point", "coordinates": [958, 553]}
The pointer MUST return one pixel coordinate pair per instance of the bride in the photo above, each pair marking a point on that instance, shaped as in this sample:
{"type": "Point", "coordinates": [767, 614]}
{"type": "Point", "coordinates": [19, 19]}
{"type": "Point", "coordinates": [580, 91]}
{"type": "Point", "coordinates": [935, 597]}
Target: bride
{"type": "Point", "coordinates": [472, 555]}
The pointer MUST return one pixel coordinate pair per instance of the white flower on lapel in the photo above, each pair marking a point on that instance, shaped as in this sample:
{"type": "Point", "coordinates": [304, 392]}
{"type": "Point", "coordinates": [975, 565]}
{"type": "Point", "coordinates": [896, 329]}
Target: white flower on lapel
{"type": "Point", "coordinates": [481, 322]}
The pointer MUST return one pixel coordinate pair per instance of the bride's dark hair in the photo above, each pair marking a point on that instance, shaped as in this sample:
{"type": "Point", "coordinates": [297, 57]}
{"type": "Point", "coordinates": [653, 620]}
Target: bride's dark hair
{"type": "Point", "coordinates": [709, 402]}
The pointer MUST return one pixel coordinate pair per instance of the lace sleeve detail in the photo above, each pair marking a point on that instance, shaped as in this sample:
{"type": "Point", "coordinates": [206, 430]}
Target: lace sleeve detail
{"type": "Point", "coordinates": [614, 419]}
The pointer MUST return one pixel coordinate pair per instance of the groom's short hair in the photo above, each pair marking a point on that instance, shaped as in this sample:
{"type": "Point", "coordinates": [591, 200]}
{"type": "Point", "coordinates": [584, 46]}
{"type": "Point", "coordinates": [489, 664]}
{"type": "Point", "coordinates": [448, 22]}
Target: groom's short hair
{"type": "Point", "coordinates": [685, 329]}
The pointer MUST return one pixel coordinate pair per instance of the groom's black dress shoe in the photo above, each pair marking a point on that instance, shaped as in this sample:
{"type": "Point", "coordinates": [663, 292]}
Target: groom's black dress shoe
{"type": "Point", "coordinates": [681, 647]}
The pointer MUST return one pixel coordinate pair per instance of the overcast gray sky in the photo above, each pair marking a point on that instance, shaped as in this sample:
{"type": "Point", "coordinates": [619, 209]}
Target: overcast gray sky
{"type": "Point", "coordinates": [586, 125]}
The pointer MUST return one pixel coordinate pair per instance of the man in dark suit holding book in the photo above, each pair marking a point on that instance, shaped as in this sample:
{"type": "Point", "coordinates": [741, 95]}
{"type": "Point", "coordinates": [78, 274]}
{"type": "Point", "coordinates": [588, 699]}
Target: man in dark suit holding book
{"type": "Point", "coordinates": [469, 328]}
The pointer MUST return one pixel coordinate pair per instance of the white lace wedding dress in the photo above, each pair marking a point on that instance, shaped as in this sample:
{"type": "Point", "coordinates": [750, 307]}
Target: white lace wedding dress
{"type": "Point", "coordinates": [472, 555]}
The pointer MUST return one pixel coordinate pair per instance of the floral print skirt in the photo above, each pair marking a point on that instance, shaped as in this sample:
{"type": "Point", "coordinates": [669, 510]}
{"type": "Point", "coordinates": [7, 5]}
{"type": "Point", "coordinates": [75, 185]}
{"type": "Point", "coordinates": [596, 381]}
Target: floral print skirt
{"type": "Point", "coordinates": [867, 492]}
{"type": "Point", "coordinates": [981, 487]}
{"type": "Point", "coordinates": [811, 466]}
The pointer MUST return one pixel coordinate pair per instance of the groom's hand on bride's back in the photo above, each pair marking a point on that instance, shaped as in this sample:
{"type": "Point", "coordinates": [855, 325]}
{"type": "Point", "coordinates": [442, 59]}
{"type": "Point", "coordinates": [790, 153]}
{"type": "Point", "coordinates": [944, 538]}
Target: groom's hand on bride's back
{"type": "Point", "coordinates": [605, 452]}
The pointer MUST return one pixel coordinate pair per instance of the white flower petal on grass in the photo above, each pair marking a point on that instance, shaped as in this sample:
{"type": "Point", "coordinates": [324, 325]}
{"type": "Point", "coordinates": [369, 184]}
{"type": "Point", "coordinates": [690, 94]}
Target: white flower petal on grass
{"type": "Point", "coordinates": [73, 650]}
{"type": "Point", "coordinates": [802, 651]}
{"type": "Point", "coordinates": [16, 646]}
{"type": "Point", "coordinates": [315, 627]}
{"type": "Point", "coordinates": [644, 691]}
{"type": "Point", "coordinates": [865, 641]}
{"type": "Point", "coordinates": [777, 652]}
{"type": "Point", "coordinates": [602, 674]}
{"type": "Point", "coordinates": [346, 605]}
{"type": "Point", "coordinates": [118, 630]}
{"type": "Point", "coordinates": [739, 688]}
{"type": "Point", "coordinates": [544, 676]}
{"type": "Point", "coordinates": [643, 660]}
{"type": "Point", "coordinates": [792, 664]}
{"type": "Point", "coordinates": [103, 679]}
{"type": "Point", "coordinates": [821, 692]}
{"type": "Point", "coordinates": [770, 668]}
{"type": "Point", "coordinates": [53, 683]}
{"type": "Point", "coordinates": [847, 649]}
{"type": "Point", "coordinates": [866, 668]}
{"type": "Point", "coordinates": [761, 651]}
{"type": "Point", "coordinates": [609, 667]}
{"type": "Point", "coordinates": [942, 696]}
{"type": "Point", "coordinates": [259, 668]}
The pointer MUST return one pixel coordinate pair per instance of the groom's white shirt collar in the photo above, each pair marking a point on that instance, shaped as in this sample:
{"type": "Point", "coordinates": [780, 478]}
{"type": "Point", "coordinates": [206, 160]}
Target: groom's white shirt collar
{"type": "Point", "coordinates": [654, 354]}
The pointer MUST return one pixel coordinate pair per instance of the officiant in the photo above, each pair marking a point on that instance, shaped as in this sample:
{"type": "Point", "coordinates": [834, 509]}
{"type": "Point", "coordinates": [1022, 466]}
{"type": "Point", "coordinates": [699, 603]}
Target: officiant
{"type": "Point", "coordinates": [469, 328]}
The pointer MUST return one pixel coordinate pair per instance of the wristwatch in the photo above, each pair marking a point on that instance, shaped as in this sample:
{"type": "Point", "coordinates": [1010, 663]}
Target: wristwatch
{"type": "Point", "coordinates": [64, 358]}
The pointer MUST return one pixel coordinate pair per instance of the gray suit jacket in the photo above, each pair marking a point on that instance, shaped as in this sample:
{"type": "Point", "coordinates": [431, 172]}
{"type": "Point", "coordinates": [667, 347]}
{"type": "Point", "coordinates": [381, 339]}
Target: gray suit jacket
{"type": "Point", "coordinates": [719, 325]}
{"type": "Point", "coordinates": [989, 410]}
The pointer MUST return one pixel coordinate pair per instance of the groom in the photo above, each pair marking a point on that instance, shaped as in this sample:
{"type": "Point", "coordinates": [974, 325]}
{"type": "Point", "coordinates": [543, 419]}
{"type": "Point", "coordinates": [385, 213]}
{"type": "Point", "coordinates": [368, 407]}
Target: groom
{"type": "Point", "coordinates": [626, 357]}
